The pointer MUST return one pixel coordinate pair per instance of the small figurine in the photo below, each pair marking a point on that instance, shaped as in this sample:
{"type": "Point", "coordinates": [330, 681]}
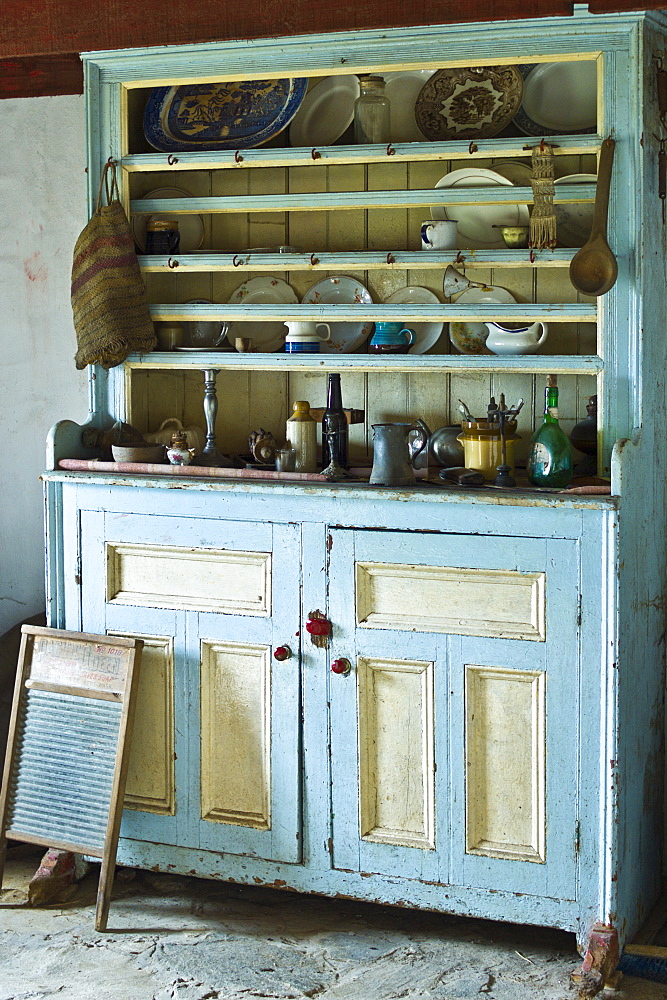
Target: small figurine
{"type": "Point", "coordinates": [178, 452]}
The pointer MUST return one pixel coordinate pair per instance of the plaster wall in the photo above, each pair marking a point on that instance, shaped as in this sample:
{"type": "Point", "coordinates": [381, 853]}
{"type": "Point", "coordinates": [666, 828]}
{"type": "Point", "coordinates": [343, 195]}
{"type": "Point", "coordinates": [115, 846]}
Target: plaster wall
{"type": "Point", "coordinates": [42, 211]}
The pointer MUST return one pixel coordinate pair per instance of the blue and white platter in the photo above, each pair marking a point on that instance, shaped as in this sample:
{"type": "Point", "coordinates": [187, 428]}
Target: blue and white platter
{"type": "Point", "coordinates": [231, 115]}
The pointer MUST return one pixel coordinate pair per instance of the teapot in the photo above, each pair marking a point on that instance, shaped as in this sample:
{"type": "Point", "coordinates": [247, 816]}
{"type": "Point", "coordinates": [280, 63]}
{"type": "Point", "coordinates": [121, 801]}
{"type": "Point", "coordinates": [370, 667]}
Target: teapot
{"type": "Point", "coordinates": [524, 340]}
{"type": "Point", "coordinates": [303, 338]}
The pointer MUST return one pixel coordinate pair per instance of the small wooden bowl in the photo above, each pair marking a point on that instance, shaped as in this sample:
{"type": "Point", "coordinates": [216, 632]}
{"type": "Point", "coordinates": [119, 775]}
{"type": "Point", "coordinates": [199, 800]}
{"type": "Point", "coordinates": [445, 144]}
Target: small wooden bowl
{"type": "Point", "coordinates": [149, 453]}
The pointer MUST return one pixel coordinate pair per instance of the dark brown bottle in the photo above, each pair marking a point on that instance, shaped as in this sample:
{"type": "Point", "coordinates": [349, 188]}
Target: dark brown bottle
{"type": "Point", "coordinates": [334, 425]}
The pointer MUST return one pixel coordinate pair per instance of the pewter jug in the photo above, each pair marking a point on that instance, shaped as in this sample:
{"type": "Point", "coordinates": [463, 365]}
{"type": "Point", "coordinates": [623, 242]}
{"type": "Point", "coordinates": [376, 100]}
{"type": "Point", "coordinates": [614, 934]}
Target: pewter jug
{"type": "Point", "coordinates": [391, 455]}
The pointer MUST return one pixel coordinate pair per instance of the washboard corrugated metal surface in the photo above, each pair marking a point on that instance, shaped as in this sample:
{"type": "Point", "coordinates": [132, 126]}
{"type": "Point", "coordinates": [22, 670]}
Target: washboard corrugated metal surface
{"type": "Point", "coordinates": [64, 776]}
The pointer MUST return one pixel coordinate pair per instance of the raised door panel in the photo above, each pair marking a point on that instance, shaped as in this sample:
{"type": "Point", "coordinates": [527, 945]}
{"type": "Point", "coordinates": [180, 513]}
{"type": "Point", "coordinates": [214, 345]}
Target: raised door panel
{"type": "Point", "coordinates": [216, 763]}
{"type": "Point", "coordinates": [451, 751]}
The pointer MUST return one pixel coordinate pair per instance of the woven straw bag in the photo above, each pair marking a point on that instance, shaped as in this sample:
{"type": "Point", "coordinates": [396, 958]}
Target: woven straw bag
{"type": "Point", "coordinates": [109, 302]}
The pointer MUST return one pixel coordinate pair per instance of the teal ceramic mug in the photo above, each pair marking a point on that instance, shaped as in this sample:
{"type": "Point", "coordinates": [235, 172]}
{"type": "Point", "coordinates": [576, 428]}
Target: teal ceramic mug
{"type": "Point", "coordinates": [391, 338]}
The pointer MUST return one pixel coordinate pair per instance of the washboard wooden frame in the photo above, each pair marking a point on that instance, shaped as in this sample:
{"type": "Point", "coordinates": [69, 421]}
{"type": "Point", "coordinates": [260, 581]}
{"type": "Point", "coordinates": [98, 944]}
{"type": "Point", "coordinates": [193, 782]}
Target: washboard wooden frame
{"type": "Point", "coordinates": [68, 746]}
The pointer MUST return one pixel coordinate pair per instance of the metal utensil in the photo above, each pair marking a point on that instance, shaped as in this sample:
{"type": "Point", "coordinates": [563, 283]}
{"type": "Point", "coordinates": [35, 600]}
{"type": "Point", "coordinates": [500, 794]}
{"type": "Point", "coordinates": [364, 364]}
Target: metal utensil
{"type": "Point", "coordinates": [593, 269]}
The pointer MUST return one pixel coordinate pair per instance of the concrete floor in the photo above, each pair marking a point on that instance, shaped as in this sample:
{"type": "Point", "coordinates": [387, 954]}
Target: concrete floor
{"type": "Point", "coordinates": [178, 938]}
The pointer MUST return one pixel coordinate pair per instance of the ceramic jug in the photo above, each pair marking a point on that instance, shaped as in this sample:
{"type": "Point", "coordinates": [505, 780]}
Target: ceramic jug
{"type": "Point", "coordinates": [391, 453]}
{"type": "Point", "coordinates": [303, 338]}
{"type": "Point", "coordinates": [524, 340]}
{"type": "Point", "coordinates": [391, 338]}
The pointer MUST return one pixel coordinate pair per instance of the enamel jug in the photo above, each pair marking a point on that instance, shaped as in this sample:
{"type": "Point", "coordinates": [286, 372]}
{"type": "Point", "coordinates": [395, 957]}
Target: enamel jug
{"type": "Point", "coordinates": [524, 340]}
{"type": "Point", "coordinates": [391, 453]}
{"type": "Point", "coordinates": [391, 338]}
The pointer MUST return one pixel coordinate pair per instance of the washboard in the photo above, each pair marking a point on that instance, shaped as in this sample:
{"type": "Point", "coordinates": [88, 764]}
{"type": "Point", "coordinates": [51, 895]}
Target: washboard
{"type": "Point", "coordinates": [67, 752]}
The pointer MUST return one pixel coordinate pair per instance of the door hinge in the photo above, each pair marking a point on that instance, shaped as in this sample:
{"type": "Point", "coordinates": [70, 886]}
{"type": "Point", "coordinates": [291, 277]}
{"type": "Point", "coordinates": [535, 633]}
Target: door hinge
{"type": "Point", "coordinates": [577, 838]}
{"type": "Point", "coordinates": [77, 575]}
{"type": "Point", "coordinates": [330, 847]}
{"type": "Point", "coordinates": [578, 610]}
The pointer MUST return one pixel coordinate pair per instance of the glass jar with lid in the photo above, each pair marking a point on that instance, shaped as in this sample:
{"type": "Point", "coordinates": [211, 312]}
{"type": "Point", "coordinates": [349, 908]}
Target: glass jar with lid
{"type": "Point", "coordinates": [371, 111]}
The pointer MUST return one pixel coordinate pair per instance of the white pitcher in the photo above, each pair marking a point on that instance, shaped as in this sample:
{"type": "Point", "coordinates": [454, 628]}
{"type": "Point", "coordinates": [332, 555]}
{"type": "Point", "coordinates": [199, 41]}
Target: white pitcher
{"type": "Point", "coordinates": [524, 340]}
{"type": "Point", "coordinates": [303, 338]}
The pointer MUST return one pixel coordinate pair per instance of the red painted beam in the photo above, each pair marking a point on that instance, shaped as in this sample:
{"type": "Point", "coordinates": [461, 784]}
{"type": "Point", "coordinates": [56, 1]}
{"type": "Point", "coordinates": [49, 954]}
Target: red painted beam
{"type": "Point", "coordinates": [39, 27]}
{"type": "Point", "coordinates": [41, 76]}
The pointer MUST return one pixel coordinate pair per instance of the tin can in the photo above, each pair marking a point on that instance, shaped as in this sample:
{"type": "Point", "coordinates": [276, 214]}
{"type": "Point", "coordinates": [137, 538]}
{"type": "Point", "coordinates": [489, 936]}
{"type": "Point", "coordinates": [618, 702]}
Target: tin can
{"type": "Point", "coordinates": [162, 236]}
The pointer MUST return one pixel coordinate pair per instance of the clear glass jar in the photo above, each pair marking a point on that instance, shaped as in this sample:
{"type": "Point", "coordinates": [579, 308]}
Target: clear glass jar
{"type": "Point", "coordinates": [371, 111]}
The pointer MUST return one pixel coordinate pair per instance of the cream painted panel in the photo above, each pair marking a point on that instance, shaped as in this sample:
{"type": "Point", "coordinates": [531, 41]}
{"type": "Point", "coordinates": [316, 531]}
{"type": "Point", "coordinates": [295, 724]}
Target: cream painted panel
{"type": "Point", "coordinates": [396, 776]}
{"type": "Point", "coordinates": [150, 775]}
{"type": "Point", "coordinates": [235, 727]}
{"type": "Point", "coordinates": [166, 576]}
{"type": "Point", "coordinates": [505, 763]}
{"type": "Point", "coordinates": [502, 604]}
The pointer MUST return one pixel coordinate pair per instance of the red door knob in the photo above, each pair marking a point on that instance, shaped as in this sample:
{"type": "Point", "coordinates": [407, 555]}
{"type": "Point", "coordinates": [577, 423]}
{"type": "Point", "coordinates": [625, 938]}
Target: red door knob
{"type": "Point", "coordinates": [282, 653]}
{"type": "Point", "coordinates": [341, 666]}
{"type": "Point", "coordinates": [318, 626]}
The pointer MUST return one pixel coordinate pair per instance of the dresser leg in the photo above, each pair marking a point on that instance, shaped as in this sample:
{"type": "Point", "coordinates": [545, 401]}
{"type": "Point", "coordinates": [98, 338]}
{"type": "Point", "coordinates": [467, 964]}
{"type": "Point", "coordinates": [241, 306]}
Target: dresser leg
{"type": "Point", "coordinates": [598, 969]}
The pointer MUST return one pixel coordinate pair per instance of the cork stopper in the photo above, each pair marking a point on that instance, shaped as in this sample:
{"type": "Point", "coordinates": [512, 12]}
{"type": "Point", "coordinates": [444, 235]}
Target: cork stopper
{"type": "Point", "coordinates": [552, 381]}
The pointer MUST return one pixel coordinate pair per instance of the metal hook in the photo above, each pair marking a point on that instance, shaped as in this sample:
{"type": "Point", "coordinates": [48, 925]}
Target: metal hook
{"type": "Point", "coordinates": [391, 259]}
{"type": "Point", "coordinates": [172, 263]}
{"type": "Point", "coordinates": [315, 153]}
{"type": "Point", "coordinates": [111, 160]}
{"type": "Point", "coordinates": [531, 256]}
{"type": "Point", "coordinates": [460, 259]}
{"type": "Point", "coordinates": [237, 261]}
{"type": "Point", "coordinates": [314, 260]}
{"type": "Point", "coordinates": [390, 150]}
{"type": "Point", "coordinates": [237, 156]}
{"type": "Point", "coordinates": [473, 147]}
{"type": "Point", "coordinates": [171, 160]}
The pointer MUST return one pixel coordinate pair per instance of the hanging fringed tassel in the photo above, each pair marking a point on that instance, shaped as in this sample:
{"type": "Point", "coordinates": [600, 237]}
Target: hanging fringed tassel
{"type": "Point", "coordinates": [543, 219]}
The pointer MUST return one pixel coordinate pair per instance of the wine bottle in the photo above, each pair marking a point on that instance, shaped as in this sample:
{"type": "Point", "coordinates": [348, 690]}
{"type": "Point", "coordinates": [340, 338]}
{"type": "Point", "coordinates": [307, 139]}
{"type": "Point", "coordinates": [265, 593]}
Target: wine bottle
{"type": "Point", "coordinates": [334, 425]}
{"type": "Point", "coordinates": [550, 456]}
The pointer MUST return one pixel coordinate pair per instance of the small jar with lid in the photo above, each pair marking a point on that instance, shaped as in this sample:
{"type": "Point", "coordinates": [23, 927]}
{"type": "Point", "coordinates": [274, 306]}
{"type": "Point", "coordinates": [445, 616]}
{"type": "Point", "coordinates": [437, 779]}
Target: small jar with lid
{"type": "Point", "coordinates": [301, 432]}
{"type": "Point", "coordinates": [371, 111]}
{"type": "Point", "coordinates": [162, 236]}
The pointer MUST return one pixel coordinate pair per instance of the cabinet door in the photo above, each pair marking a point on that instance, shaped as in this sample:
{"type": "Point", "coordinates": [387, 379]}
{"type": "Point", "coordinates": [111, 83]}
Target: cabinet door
{"type": "Point", "coordinates": [454, 738]}
{"type": "Point", "coordinates": [215, 753]}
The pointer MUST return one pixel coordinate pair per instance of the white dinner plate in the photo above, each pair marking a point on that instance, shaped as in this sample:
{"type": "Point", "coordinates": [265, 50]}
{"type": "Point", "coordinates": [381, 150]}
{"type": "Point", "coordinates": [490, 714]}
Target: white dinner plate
{"type": "Point", "coordinates": [559, 98]}
{"type": "Point", "coordinates": [325, 112]}
{"type": "Point", "coordinates": [190, 227]}
{"type": "Point", "coordinates": [470, 338]}
{"type": "Point", "coordinates": [574, 221]}
{"type": "Point", "coordinates": [342, 290]}
{"type": "Point", "coordinates": [264, 290]}
{"type": "Point", "coordinates": [475, 230]}
{"type": "Point", "coordinates": [403, 89]}
{"type": "Point", "coordinates": [426, 334]}
{"type": "Point", "coordinates": [515, 171]}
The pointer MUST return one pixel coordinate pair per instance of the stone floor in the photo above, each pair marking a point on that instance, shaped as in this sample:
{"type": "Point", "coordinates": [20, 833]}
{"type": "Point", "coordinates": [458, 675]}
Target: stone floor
{"type": "Point", "coordinates": [177, 938]}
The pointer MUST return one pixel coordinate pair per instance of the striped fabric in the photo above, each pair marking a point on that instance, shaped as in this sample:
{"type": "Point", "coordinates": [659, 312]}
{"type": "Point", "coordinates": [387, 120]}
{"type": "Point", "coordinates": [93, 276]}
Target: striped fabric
{"type": "Point", "coordinates": [109, 302]}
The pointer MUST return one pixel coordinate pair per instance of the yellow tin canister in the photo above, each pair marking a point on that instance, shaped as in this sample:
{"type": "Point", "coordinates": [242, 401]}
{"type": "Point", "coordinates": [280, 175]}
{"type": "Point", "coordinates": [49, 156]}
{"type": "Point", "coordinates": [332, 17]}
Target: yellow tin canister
{"type": "Point", "coordinates": [482, 446]}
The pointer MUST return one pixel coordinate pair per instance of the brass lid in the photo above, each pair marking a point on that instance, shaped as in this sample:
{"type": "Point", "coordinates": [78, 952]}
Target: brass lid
{"type": "Point", "coordinates": [161, 225]}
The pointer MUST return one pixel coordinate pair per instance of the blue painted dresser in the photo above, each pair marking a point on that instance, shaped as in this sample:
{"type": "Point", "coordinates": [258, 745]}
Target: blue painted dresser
{"type": "Point", "coordinates": [495, 749]}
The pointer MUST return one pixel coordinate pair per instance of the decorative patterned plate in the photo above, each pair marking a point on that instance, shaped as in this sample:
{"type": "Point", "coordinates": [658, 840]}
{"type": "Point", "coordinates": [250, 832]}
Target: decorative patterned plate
{"type": "Point", "coordinates": [232, 115]}
{"type": "Point", "coordinates": [264, 289]}
{"type": "Point", "coordinates": [426, 334]}
{"type": "Point", "coordinates": [470, 338]}
{"type": "Point", "coordinates": [477, 224]}
{"type": "Point", "coordinates": [574, 221]}
{"type": "Point", "coordinates": [339, 288]}
{"type": "Point", "coordinates": [559, 98]}
{"type": "Point", "coordinates": [474, 103]}
{"type": "Point", "coordinates": [326, 112]}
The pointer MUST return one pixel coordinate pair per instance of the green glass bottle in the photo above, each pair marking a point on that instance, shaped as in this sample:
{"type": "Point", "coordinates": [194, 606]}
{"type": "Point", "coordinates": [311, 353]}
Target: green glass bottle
{"type": "Point", "coordinates": [550, 457]}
